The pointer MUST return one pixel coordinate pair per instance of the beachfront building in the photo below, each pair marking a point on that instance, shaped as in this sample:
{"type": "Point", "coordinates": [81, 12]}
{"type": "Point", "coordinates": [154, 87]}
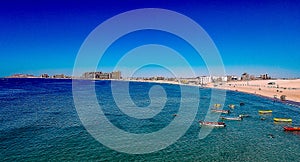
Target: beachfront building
{"type": "Point", "coordinates": [252, 77]}
{"type": "Point", "coordinates": [224, 79]}
{"type": "Point", "coordinates": [194, 81]}
{"type": "Point", "coordinates": [205, 80]}
{"type": "Point", "coordinates": [219, 79]}
{"type": "Point", "coordinates": [264, 77]}
{"type": "Point", "coordinates": [171, 79]}
{"type": "Point", "coordinates": [245, 76]}
{"type": "Point", "coordinates": [232, 78]}
{"type": "Point", "coordinates": [160, 78]}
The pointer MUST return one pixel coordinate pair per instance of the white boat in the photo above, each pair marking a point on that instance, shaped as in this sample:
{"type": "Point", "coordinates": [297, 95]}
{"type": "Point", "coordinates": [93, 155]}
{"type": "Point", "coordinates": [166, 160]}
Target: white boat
{"type": "Point", "coordinates": [231, 118]}
{"type": "Point", "coordinates": [212, 124]}
{"type": "Point", "coordinates": [221, 111]}
{"type": "Point", "coordinates": [244, 115]}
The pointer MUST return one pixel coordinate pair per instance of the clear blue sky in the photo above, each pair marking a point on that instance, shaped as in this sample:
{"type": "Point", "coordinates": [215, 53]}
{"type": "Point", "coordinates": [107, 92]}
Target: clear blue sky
{"type": "Point", "coordinates": [256, 37]}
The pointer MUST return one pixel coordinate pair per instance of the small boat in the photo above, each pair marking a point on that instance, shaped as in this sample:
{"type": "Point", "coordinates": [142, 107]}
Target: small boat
{"type": "Point", "coordinates": [232, 106]}
{"type": "Point", "coordinates": [282, 119]}
{"type": "Point", "coordinates": [232, 118]}
{"type": "Point", "coordinates": [221, 111]}
{"type": "Point", "coordinates": [242, 104]}
{"type": "Point", "coordinates": [271, 136]}
{"type": "Point", "coordinates": [217, 105]}
{"type": "Point", "coordinates": [244, 115]}
{"type": "Point", "coordinates": [286, 128]}
{"type": "Point", "coordinates": [212, 124]}
{"type": "Point", "coordinates": [265, 111]}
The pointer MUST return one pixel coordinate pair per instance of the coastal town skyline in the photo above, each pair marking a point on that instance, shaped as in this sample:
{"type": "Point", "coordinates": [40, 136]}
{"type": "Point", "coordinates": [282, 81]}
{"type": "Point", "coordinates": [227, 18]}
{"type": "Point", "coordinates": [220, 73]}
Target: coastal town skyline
{"type": "Point", "coordinates": [45, 37]}
{"type": "Point", "coordinates": [148, 73]}
{"type": "Point", "coordinates": [117, 75]}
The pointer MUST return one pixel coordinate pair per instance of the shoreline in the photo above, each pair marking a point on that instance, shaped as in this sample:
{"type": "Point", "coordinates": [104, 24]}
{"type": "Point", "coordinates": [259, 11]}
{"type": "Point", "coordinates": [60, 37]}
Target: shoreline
{"type": "Point", "coordinates": [289, 88]}
{"type": "Point", "coordinates": [287, 101]}
{"type": "Point", "coordinates": [271, 89]}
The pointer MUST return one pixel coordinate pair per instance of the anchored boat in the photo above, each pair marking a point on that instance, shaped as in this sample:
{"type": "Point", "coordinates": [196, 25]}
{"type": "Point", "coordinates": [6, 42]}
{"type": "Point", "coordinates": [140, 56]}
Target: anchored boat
{"type": "Point", "coordinates": [286, 128]}
{"type": "Point", "coordinates": [221, 111]}
{"type": "Point", "coordinates": [232, 106]}
{"type": "Point", "coordinates": [244, 115]}
{"type": "Point", "coordinates": [231, 118]}
{"type": "Point", "coordinates": [217, 105]}
{"type": "Point", "coordinates": [212, 124]}
{"type": "Point", "coordinates": [265, 111]}
{"type": "Point", "coordinates": [282, 119]}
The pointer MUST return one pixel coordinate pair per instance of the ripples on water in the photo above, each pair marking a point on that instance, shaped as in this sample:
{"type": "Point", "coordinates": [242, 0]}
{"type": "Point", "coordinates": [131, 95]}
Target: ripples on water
{"type": "Point", "coordinates": [38, 121]}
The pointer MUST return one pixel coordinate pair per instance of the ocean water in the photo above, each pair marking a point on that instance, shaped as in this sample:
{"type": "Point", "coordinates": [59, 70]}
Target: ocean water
{"type": "Point", "coordinates": [39, 122]}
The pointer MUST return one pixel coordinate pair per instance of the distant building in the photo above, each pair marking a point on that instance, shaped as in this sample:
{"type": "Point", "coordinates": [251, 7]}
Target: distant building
{"type": "Point", "coordinates": [219, 79]}
{"type": "Point", "coordinates": [160, 78]}
{"type": "Point", "coordinates": [245, 76]}
{"type": "Point", "coordinates": [21, 76]}
{"type": "Point", "coordinates": [44, 76]}
{"type": "Point", "coordinates": [224, 79]}
{"type": "Point", "coordinates": [171, 79]}
{"type": "Point", "coordinates": [252, 77]}
{"type": "Point", "coordinates": [232, 78]}
{"type": "Point", "coordinates": [191, 80]}
{"type": "Point", "coordinates": [116, 75]}
{"type": "Point", "coordinates": [264, 77]}
{"type": "Point", "coordinates": [58, 76]}
{"type": "Point", "coordinates": [205, 80]}
{"type": "Point", "coordinates": [89, 75]}
{"type": "Point", "coordinates": [101, 75]}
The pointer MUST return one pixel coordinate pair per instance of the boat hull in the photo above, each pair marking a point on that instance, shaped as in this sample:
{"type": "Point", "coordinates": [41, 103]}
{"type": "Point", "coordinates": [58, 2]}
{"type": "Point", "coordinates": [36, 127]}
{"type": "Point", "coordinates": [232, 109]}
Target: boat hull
{"type": "Point", "coordinates": [291, 128]}
{"type": "Point", "coordinates": [265, 111]}
{"type": "Point", "coordinates": [231, 106]}
{"type": "Point", "coordinates": [229, 118]}
{"type": "Point", "coordinates": [244, 115]}
{"type": "Point", "coordinates": [221, 111]}
{"type": "Point", "coordinates": [217, 105]}
{"type": "Point", "coordinates": [282, 120]}
{"type": "Point", "coordinates": [212, 124]}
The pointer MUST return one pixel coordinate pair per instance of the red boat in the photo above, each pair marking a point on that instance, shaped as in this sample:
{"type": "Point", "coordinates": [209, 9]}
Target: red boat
{"type": "Point", "coordinates": [291, 128]}
{"type": "Point", "coordinates": [212, 124]}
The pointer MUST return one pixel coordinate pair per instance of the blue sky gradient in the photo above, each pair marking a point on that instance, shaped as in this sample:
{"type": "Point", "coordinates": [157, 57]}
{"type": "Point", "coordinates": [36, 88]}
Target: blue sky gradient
{"type": "Point", "coordinates": [256, 37]}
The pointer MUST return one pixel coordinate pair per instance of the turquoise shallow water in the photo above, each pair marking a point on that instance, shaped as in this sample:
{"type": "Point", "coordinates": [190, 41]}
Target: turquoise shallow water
{"type": "Point", "coordinates": [39, 122]}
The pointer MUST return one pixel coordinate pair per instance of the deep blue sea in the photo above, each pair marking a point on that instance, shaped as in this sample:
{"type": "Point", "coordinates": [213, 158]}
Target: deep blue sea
{"type": "Point", "coordinates": [39, 122]}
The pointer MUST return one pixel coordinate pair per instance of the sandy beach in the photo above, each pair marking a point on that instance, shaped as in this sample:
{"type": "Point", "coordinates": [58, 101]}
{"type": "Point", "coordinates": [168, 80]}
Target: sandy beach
{"type": "Point", "coordinates": [267, 88]}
